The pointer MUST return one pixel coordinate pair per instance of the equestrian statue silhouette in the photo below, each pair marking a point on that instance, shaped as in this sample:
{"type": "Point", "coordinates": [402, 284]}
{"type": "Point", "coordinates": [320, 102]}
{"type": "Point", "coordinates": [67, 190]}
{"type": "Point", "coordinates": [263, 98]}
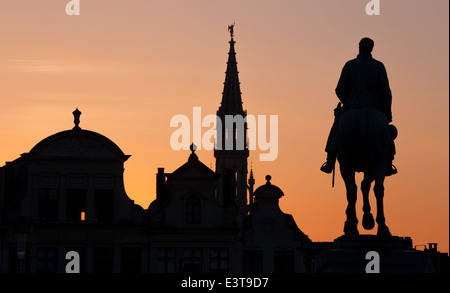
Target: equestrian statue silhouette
{"type": "Point", "coordinates": [361, 138]}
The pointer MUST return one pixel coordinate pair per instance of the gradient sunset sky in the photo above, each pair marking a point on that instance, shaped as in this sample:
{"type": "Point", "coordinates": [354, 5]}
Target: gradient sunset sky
{"type": "Point", "coordinates": [130, 66]}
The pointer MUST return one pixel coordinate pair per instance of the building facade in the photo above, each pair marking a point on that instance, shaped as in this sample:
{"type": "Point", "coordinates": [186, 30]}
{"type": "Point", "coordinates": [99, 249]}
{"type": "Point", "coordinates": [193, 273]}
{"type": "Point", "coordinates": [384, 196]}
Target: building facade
{"type": "Point", "coordinates": [67, 194]}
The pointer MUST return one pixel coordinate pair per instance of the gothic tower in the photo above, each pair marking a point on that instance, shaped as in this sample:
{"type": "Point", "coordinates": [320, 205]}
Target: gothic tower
{"type": "Point", "coordinates": [231, 150]}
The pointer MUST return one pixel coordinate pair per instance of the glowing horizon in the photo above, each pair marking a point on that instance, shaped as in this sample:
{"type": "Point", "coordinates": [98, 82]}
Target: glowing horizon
{"type": "Point", "coordinates": [131, 67]}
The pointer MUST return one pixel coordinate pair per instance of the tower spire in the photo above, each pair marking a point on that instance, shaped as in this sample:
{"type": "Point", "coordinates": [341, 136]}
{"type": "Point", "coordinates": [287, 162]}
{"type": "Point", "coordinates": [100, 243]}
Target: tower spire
{"type": "Point", "coordinates": [231, 164]}
{"type": "Point", "coordinates": [231, 97]}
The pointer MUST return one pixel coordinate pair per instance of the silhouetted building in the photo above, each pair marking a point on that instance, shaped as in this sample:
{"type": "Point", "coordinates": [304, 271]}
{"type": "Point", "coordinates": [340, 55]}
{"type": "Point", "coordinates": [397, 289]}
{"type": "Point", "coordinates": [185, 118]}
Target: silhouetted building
{"type": "Point", "coordinates": [205, 221]}
{"type": "Point", "coordinates": [189, 230]}
{"type": "Point", "coordinates": [272, 240]}
{"type": "Point", "coordinates": [67, 194]}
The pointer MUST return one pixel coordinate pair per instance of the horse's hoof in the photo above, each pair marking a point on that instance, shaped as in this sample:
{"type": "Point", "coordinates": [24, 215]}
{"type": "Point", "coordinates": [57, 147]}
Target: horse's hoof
{"type": "Point", "coordinates": [383, 231]}
{"type": "Point", "coordinates": [368, 222]}
{"type": "Point", "coordinates": [350, 229]}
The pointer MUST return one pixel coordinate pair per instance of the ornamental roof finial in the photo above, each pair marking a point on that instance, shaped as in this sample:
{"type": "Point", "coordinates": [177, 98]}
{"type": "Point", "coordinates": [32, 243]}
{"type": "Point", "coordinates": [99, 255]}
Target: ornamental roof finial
{"type": "Point", "coordinates": [76, 117]}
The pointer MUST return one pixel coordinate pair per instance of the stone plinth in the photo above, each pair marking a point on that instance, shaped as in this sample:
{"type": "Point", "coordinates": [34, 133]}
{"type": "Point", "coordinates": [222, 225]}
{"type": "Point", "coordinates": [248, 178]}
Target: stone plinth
{"type": "Point", "coordinates": [348, 255]}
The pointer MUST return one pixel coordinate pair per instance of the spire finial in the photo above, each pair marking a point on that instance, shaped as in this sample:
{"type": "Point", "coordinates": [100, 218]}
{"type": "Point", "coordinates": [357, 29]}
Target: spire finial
{"type": "Point", "coordinates": [76, 118]}
{"type": "Point", "coordinates": [251, 179]}
{"type": "Point", "coordinates": [231, 30]}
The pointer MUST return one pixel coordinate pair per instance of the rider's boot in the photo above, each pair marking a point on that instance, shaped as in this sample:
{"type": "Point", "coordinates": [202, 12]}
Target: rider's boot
{"type": "Point", "coordinates": [328, 166]}
{"type": "Point", "coordinates": [390, 168]}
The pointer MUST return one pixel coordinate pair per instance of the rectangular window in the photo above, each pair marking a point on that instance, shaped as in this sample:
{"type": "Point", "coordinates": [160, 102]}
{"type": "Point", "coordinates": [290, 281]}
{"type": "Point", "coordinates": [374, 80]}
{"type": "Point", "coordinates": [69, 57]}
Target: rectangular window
{"type": "Point", "coordinates": [12, 260]}
{"type": "Point", "coordinates": [104, 205]}
{"type": "Point", "coordinates": [284, 261]}
{"type": "Point", "coordinates": [219, 260]}
{"type": "Point", "coordinates": [229, 185]}
{"type": "Point", "coordinates": [193, 210]}
{"type": "Point", "coordinates": [16, 263]}
{"type": "Point", "coordinates": [166, 259]}
{"type": "Point", "coordinates": [48, 205]}
{"type": "Point", "coordinates": [192, 260]}
{"type": "Point", "coordinates": [76, 205]}
{"type": "Point", "coordinates": [103, 260]}
{"type": "Point", "coordinates": [46, 260]}
{"type": "Point", "coordinates": [253, 261]}
{"type": "Point", "coordinates": [131, 260]}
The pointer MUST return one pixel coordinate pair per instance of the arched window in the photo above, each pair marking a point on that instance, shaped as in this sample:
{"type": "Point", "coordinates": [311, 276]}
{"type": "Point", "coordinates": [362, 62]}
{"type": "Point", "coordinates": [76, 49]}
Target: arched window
{"type": "Point", "coordinates": [193, 210]}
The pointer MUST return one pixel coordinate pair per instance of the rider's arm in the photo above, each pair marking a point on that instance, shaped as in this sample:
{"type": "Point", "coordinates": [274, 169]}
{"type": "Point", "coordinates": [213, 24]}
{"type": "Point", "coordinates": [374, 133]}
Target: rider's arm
{"type": "Point", "coordinates": [343, 86]}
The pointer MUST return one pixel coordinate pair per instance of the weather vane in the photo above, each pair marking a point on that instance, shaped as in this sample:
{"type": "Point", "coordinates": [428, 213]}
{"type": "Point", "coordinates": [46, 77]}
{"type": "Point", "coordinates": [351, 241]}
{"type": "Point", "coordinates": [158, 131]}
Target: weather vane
{"type": "Point", "coordinates": [231, 30]}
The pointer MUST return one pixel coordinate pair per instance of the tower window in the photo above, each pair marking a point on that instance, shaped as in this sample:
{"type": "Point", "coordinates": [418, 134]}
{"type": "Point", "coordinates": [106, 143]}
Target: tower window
{"type": "Point", "coordinates": [193, 210]}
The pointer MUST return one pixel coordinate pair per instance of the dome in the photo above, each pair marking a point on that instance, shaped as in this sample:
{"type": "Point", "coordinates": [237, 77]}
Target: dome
{"type": "Point", "coordinates": [268, 191]}
{"type": "Point", "coordinates": [77, 144]}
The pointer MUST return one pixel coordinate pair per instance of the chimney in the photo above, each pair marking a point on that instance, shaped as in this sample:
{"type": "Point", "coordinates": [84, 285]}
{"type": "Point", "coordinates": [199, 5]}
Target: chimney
{"type": "Point", "coordinates": [160, 185]}
{"type": "Point", "coordinates": [432, 247]}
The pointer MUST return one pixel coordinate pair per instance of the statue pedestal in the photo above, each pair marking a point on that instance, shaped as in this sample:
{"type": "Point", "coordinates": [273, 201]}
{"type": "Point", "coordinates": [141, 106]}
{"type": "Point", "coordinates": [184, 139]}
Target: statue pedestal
{"type": "Point", "coordinates": [395, 255]}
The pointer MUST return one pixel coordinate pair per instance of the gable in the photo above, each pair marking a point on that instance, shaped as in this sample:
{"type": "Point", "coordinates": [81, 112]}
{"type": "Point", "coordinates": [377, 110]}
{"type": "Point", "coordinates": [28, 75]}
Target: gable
{"type": "Point", "coordinates": [193, 168]}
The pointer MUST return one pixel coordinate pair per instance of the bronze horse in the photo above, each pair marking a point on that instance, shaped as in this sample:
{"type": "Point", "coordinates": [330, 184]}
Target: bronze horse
{"type": "Point", "coordinates": [364, 146]}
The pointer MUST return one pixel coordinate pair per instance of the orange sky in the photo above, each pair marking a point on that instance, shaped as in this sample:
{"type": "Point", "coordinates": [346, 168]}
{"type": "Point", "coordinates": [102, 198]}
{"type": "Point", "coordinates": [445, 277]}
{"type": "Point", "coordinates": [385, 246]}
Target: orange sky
{"type": "Point", "coordinates": [130, 66]}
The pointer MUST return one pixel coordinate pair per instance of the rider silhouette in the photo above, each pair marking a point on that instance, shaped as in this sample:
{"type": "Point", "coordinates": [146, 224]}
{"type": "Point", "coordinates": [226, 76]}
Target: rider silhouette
{"type": "Point", "coordinates": [363, 83]}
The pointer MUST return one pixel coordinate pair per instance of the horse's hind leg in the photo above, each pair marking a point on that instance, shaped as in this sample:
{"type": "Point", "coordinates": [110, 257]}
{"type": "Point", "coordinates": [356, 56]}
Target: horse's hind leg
{"type": "Point", "coordinates": [368, 222]}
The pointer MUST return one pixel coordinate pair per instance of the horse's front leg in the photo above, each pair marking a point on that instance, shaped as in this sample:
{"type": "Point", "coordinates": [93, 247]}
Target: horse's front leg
{"type": "Point", "coordinates": [383, 230]}
{"type": "Point", "coordinates": [368, 222]}
{"type": "Point", "coordinates": [350, 227]}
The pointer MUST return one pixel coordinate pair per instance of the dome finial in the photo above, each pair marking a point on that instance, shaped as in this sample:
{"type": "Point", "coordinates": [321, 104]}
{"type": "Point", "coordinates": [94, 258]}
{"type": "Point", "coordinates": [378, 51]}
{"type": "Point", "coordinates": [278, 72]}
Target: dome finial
{"type": "Point", "coordinates": [76, 117]}
{"type": "Point", "coordinates": [268, 177]}
{"type": "Point", "coordinates": [193, 156]}
{"type": "Point", "coordinates": [193, 147]}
